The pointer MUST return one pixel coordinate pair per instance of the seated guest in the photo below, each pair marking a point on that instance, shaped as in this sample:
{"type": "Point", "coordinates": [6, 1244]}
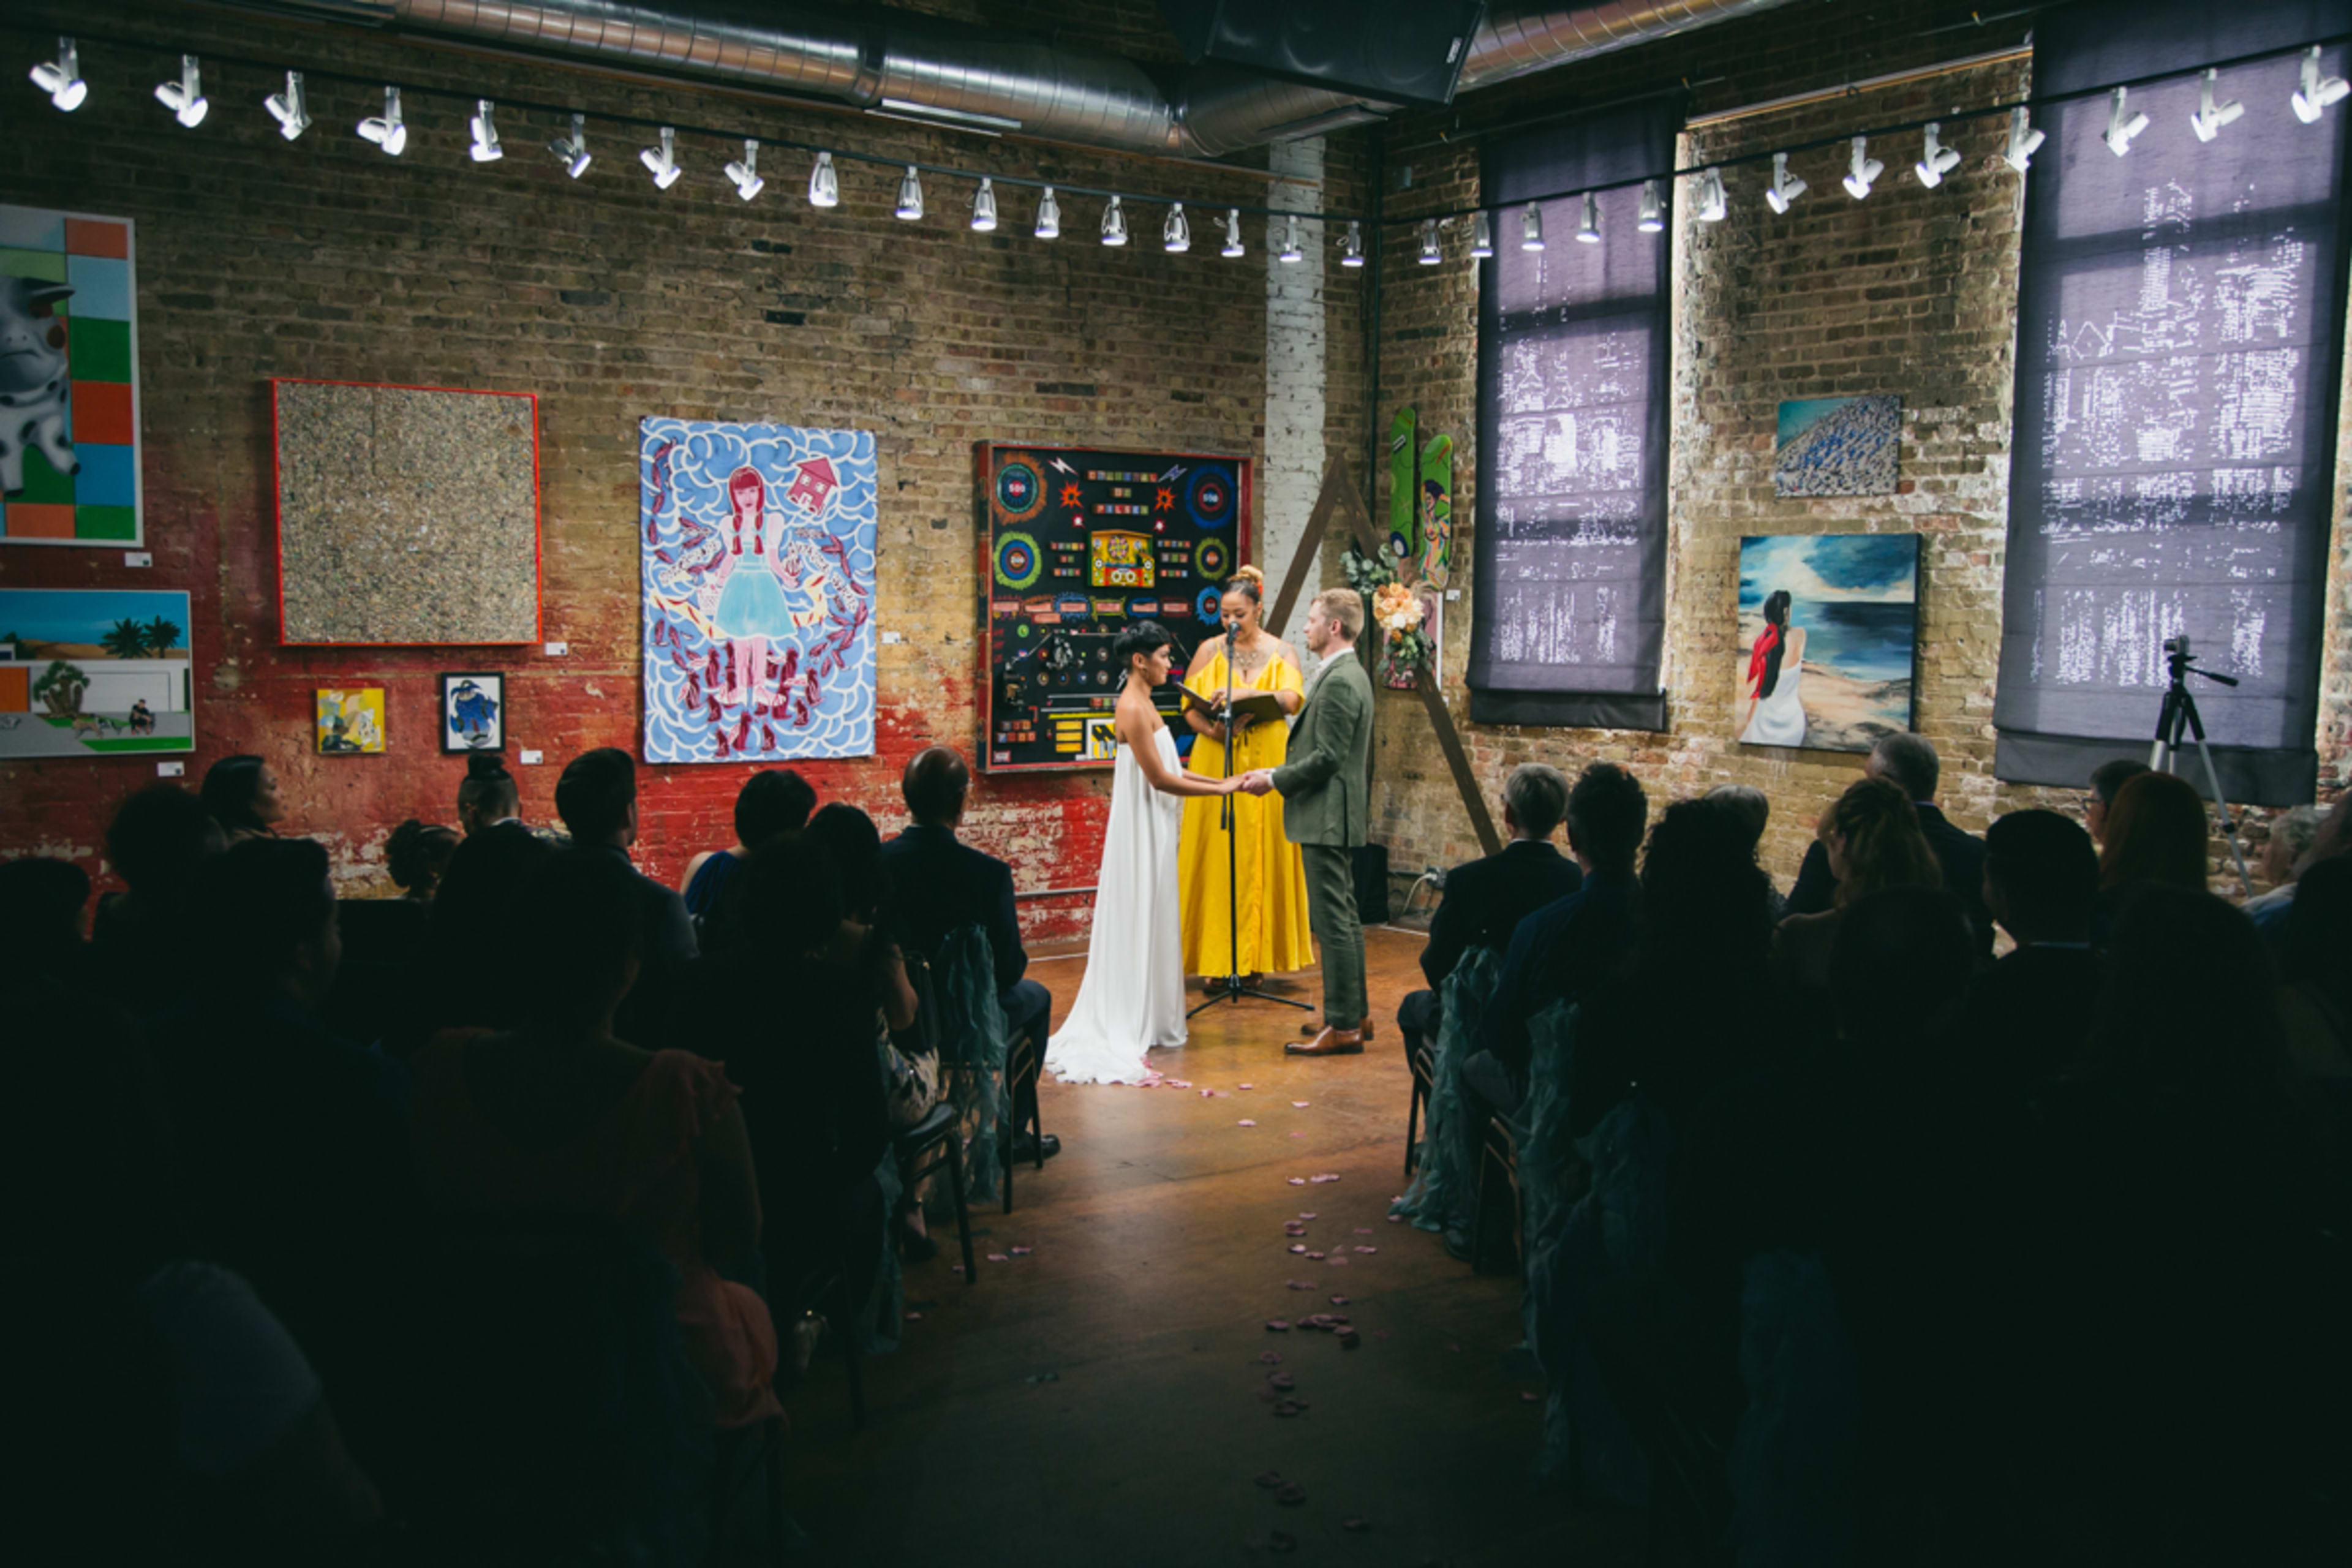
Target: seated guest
{"type": "Point", "coordinates": [241, 792]}
{"type": "Point", "coordinates": [487, 796]}
{"type": "Point", "coordinates": [416, 855]}
{"type": "Point", "coordinates": [812, 1080]}
{"type": "Point", "coordinates": [1486, 899]}
{"type": "Point", "coordinates": [2291, 836]}
{"type": "Point", "coordinates": [293, 1157]}
{"type": "Point", "coordinates": [597, 798]}
{"type": "Point", "coordinates": [2033, 1011]}
{"type": "Point", "coordinates": [938, 885]}
{"type": "Point", "coordinates": [1872, 839]}
{"type": "Point", "coordinates": [2330, 835]}
{"type": "Point", "coordinates": [42, 901]}
{"type": "Point", "coordinates": [470, 977]}
{"type": "Point", "coordinates": [2316, 965]}
{"type": "Point", "coordinates": [159, 839]}
{"type": "Point", "coordinates": [1910, 764]}
{"type": "Point", "coordinates": [1569, 947]}
{"type": "Point", "coordinates": [771, 801]}
{"type": "Point", "coordinates": [1753, 808]}
{"type": "Point", "coordinates": [2106, 780]}
{"type": "Point", "coordinates": [2156, 832]}
{"type": "Point", "coordinates": [563, 1118]}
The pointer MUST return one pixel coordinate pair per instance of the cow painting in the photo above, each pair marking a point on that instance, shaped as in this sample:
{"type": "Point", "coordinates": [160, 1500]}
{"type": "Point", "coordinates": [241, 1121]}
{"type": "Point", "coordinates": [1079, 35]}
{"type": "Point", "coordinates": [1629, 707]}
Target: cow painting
{"type": "Point", "coordinates": [34, 378]}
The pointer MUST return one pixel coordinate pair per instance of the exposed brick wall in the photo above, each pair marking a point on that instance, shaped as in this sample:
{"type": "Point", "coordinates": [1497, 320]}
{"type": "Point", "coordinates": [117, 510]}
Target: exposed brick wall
{"type": "Point", "coordinates": [1911, 292]}
{"type": "Point", "coordinates": [611, 300]}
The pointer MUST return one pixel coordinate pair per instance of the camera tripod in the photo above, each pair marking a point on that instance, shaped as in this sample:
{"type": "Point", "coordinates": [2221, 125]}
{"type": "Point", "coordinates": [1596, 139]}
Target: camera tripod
{"type": "Point", "coordinates": [2179, 717]}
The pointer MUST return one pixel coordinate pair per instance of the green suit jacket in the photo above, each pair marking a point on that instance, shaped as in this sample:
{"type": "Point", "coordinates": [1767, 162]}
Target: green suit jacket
{"type": "Point", "coordinates": [1326, 786]}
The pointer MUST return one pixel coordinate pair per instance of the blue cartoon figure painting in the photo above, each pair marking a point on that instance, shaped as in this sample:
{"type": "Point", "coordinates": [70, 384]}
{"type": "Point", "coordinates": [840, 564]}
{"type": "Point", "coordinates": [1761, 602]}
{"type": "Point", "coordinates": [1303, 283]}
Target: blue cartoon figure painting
{"type": "Point", "coordinates": [759, 591]}
{"type": "Point", "coordinates": [471, 710]}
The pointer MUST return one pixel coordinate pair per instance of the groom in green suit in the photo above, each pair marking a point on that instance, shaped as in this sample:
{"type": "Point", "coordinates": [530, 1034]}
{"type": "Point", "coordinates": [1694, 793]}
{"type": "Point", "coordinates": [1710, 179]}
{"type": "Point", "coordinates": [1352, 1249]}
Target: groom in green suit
{"type": "Point", "coordinates": [1326, 788]}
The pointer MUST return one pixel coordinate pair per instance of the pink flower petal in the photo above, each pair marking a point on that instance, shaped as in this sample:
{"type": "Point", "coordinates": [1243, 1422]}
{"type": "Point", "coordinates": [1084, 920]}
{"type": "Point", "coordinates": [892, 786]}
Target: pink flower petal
{"type": "Point", "coordinates": [1301, 1247]}
{"type": "Point", "coordinates": [1526, 1397]}
{"type": "Point", "coordinates": [914, 1317]}
{"type": "Point", "coordinates": [1361, 1247]}
{"type": "Point", "coordinates": [1339, 1301]}
{"type": "Point", "coordinates": [1277, 1326]}
{"type": "Point", "coordinates": [998, 1257]}
{"type": "Point", "coordinates": [1246, 1121]}
{"type": "Point", "coordinates": [1023, 1252]}
{"type": "Point", "coordinates": [1337, 1259]}
{"type": "Point", "coordinates": [1298, 1104]}
{"type": "Point", "coordinates": [1296, 1180]}
{"type": "Point", "coordinates": [1305, 1213]}
{"type": "Point", "coordinates": [1244, 1086]}
{"type": "Point", "coordinates": [1271, 1358]}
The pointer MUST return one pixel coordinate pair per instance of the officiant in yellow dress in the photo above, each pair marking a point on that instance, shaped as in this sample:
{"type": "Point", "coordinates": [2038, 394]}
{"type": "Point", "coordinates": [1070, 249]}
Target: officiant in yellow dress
{"type": "Point", "coordinates": [1266, 866]}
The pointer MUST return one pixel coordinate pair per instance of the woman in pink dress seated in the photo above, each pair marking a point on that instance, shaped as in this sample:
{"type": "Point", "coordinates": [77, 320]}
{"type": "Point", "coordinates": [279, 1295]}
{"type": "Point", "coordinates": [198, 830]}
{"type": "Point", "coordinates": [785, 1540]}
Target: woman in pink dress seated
{"type": "Point", "coordinates": [562, 1119]}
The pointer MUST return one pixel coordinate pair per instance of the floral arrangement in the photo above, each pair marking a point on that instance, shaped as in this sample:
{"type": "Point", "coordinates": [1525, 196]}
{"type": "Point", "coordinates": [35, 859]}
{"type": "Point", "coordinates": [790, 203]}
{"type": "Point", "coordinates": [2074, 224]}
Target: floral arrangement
{"type": "Point", "coordinates": [1397, 610]}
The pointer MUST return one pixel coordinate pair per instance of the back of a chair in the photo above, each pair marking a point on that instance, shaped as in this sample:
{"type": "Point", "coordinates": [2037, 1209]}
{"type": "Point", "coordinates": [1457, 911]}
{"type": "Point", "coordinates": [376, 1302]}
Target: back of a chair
{"type": "Point", "coordinates": [1445, 1186]}
{"type": "Point", "coordinates": [571, 1425]}
{"type": "Point", "coordinates": [1547, 1152]}
{"type": "Point", "coordinates": [974, 1041]}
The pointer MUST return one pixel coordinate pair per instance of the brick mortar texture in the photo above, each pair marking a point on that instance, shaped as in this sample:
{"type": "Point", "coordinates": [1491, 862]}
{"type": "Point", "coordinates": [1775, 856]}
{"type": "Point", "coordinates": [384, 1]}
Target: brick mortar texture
{"type": "Point", "coordinates": [610, 300]}
{"type": "Point", "coordinates": [1912, 292]}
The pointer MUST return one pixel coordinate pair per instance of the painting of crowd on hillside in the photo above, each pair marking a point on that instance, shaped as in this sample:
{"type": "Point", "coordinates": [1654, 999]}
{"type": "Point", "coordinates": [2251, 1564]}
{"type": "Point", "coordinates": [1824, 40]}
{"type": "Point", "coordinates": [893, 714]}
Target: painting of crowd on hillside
{"type": "Point", "coordinates": [87, 671]}
{"type": "Point", "coordinates": [1838, 447]}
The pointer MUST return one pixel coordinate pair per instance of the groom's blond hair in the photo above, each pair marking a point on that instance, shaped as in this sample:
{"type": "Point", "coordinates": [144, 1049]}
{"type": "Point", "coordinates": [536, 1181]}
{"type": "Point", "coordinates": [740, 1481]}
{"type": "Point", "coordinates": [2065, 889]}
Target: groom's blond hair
{"type": "Point", "coordinates": [1344, 605]}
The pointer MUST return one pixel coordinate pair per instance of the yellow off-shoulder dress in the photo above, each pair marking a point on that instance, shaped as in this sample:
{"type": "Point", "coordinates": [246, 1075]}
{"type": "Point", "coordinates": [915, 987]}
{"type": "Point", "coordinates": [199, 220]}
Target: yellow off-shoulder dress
{"type": "Point", "coordinates": [1271, 876]}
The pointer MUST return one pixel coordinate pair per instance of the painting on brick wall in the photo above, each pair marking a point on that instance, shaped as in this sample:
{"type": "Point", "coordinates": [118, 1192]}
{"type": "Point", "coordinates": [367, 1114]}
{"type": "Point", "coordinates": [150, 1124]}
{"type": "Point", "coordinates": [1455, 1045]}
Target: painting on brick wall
{"type": "Point", "coordinates": [1838, 447]}
{"type": "Point", "coordinates": [69, 379]}
{"type": "Point", "coordinates": [1828, 628]}
{"type": "Point", "coordinates": [756, 552]}
{"type": "Point", "coordinates": [92, 672]}
{"type": "Point", "coordinates": [349, 722]}
{"type": "Point", "coordinates": [407, 515]}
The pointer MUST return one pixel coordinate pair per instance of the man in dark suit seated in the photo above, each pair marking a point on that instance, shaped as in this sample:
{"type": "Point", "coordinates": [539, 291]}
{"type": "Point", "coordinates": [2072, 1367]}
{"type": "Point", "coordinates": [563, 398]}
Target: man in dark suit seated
{"type": "Point", "coordinates": [1486, 899]}
{"type": "Point", "coordinates": [2031, 1013]}
{"type": "Point", "coordinates": [1569, 947]}
{"type": "Point", "coordinates": [597, 798]}
{"type": "Point", "coordinates": [940, 884]}
{"type": "Point", "coordinates": [1911, 763]}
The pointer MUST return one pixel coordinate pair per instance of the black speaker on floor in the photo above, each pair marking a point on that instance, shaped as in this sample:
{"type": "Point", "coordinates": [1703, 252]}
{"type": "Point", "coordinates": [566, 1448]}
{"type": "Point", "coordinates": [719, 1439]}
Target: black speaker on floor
{"type": "Point", "coordinates": [1373, 884]}
{"type": "Point", "coordinates": [1401, 51]}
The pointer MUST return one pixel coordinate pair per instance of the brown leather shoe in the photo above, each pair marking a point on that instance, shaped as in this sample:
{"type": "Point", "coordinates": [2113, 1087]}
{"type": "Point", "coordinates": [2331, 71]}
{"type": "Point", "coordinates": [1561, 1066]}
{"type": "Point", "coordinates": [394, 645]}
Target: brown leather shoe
{"type": "Point", "coordinates": [1364, 1028]}
{"type": "Point", "coordinates": [1329, 1043]}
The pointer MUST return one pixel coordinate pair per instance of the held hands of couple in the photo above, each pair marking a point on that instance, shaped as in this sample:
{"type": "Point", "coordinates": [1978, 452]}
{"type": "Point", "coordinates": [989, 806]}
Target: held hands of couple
{"type": "Point", "coordinates": [1257, 781]}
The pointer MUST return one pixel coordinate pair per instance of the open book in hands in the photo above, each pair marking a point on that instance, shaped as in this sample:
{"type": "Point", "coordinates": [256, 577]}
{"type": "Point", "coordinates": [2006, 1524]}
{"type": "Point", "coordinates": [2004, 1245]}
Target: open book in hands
{"type": "Point", "coordinates": [1256, 706]}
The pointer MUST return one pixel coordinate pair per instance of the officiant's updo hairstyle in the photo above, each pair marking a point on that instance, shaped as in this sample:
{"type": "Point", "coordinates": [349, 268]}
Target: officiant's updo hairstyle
{"type": "Point", "coordinates": [1247, 580]}
{"type": "Point", "coordinates": [1142, 637]}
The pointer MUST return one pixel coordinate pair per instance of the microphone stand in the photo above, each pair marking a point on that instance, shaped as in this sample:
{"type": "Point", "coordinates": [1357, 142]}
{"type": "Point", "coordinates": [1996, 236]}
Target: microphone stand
{"type": "Point", "coordinates": [1232, 988]}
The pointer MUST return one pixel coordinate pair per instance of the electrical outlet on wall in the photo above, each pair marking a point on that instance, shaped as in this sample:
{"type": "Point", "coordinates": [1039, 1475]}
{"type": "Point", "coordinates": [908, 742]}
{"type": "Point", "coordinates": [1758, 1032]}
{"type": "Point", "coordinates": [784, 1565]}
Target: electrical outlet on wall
{"type": "Point", "coordinates": [171, 770]}
{"type": "Point", "coordinates": [532, 759]}
{"type": "Point", "coordinates": [556, 650]}
{"type": "Point", "coordinates": [138, 558]}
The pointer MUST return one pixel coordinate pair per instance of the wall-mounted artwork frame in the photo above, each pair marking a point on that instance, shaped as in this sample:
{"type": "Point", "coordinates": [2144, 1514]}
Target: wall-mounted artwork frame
{"type": "Point", "coordinates": [473, 711]}
{"type": "Point", "coordinates": [1829, 637]}
{"type": "Point", "coordinates": [349, 722]}
{"type": "Point", "coordinates": [407, 516]}
{"type": "Point", "coordinates": [95, 671]}
{"type": "Point", "coordinates": [70, 471]}
{"type": "Point", "coordinates": [1838, 447]}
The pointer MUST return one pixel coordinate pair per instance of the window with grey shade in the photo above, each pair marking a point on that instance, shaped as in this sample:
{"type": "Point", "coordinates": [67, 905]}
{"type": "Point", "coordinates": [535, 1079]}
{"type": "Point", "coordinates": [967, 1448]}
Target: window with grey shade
{"type": "Point", "coordinates": [2179, 355]}
{"type": "Point", "coordinates": [1568, 611]}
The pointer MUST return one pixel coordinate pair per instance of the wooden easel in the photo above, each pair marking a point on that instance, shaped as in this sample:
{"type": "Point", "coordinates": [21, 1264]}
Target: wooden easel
{"type": "Point", "coordinates": [1340, 498]}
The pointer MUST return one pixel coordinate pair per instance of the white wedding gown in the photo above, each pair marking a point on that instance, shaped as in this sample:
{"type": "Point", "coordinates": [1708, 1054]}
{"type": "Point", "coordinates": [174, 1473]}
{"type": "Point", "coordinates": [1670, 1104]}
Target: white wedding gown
{"type": "Point", "coordinates": [1780, 719]}
{"type": "Point", "coordinates": [1132, 997]}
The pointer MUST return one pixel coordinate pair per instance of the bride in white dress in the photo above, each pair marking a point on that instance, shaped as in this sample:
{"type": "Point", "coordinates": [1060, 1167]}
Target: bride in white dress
{"type": "Point", "coordinates": [1773, 712]}
{"type": "Point", "coordinates": [1133, 998]}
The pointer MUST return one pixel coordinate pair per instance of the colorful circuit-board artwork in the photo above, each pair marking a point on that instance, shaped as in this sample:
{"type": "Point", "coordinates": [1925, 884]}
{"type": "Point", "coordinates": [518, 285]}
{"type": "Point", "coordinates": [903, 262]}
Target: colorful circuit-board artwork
{"type": "Point", "coordinates": [70, 444]}
{"type": "Point", "coordinates": [1076, 545]}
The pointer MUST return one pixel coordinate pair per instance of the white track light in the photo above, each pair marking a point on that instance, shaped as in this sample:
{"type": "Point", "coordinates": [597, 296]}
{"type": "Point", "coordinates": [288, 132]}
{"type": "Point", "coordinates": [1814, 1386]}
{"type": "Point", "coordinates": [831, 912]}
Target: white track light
{"type": "Point", "coordinates": [745, 174]}
{"type": "Point", "coordinates": [1232, 251]}
{"type": "Point", "coordinates": [186, 97]}
{"type": "Point", "coordinates": [1114, 224]}
{"type": "Point", "coordinates": [389, 131]}
{"type": "Point", "coordinates": [1653, 208]}
{"type": "Point", "coordinates": [1936, 160]}
{"type": "Point", "coordinates": [662, 163]}
{"type": "Point", "coordinates": [983, 207]}
{"type": "Point", "coordinates": [1049, 215]}
{"type": "Point", "coordinates": [1786, 187]}
{"type": "Point", "coordinates": [910, 197]}
{"type": "Point", "coordinates": [824, 185]}
{"type": "Point", "coordinates": [1351, 248]}
{"type": "Point", "coordinates": [2024, 140]}
{"type": "Point", "coordinates": [2124, 122]}
{"type": "Point", "coordinates": [483, 127]}
{"type": "Point", "coordinates": [1431, 253]}
{"type": "Point", "coordinates": [1531, 228]}
{"type": "Point", "coordinates": [1290, 253]}
{"type": "Point", "coordinates": [2210, 116]}
{"type": "Point", "coordinates": [2318, 92]}
{"type": "Point", "coordinates": [1863, 171]}
{"type": "Point", "coordinates": [61, 79]}
{"type": "Point", "coordinates": [1588, 223]}
{"type": "Point", "coordinates": [1176, 234]}
{"type": "Point", "coordinates": [1482, 237]}
{"type": "Point", "coordinates": [287, 108]}
{"type": "Point", "coordinates": [571, 150]}
{"type": "Point", "coordinates": [1713, 206]}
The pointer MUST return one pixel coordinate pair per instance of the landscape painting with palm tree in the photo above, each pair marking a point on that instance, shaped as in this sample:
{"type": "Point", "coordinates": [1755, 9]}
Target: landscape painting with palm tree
{"type": "Point", "coordinates": [102, 670]}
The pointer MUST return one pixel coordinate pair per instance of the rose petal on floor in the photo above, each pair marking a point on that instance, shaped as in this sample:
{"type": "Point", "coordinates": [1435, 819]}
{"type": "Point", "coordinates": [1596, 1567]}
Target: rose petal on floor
{"type": "Point", "coordinates": [1301, 1247]}
{"type": "Point", "coordinates": [1023, 1252]}
{"type": "Point", "coordinates": [1283, 1381]}
{"type": "Point", "coordinates": [1299, 1104]}
{"type": "Point", "coordinates": [1244, 1086]}
{"type": "Point", "coordinates": [1277, 1326]}
{"type": "Point", "coordinates": [914, 1317]}
{"type": "Point", "coordinates": [1270, 1479]}
{"type": "Point", "coordinates": [1364, 1230]}
{"type": "Point", "coordinates": [1299, 1284]}
{"type": "Point", "coordinates": [1291, 1496]}
{"type": "Point", "coordinates": [1528, 1397]}
{"type": "Point", "coordinates": [1339, 1301]}
{"type": "Point", "coordinates": [1337, 1259]}
{"type": "Point", "coordinates": [1361, 1247]}
{"type": "Point", "coordinates": [1317, 1255]}
{"type": "Point", "coordinates": [1244, 1121]}
{"type": "Point", "coordinates": [998, 1257]}
{"type": "Point", "coordinates": [1296, 1180]}
{"type": "Point", "coordinates": [1305, 1213]}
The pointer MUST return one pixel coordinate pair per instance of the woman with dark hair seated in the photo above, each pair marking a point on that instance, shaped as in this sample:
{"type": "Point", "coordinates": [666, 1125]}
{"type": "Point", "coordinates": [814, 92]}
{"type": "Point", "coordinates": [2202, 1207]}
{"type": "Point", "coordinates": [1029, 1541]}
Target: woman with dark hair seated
{"type": "Point", "coordinates": [560, 1118]}
{"type": "Point", "coordinates": [771, 801]}
{"type": "Point", "coordinates": [241, 792]}
{"type": "Point", "coordinates": [416, 855]}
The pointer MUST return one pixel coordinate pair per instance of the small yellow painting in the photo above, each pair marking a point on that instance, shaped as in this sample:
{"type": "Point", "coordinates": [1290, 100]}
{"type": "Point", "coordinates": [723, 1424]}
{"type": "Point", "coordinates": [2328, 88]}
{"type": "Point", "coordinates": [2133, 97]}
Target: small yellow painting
{"type": "Point", "coordinates": [350, 720]}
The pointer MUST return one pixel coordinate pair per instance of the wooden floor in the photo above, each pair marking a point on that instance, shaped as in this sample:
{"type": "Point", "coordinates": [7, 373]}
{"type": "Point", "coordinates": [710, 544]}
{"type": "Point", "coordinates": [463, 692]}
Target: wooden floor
{"type": "Point", "coordinates": [1097, 1400]}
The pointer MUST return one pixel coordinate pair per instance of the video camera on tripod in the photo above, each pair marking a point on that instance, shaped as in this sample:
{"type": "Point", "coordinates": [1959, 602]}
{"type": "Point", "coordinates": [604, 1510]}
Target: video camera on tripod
{"type": "Point", "coordinates": [2179, 716]}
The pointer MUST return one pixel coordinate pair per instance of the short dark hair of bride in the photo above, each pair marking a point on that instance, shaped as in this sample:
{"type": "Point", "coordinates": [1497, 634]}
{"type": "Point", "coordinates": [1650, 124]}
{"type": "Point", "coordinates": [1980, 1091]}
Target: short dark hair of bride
{"type": "Point", "coordinates": [1144, 637]}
